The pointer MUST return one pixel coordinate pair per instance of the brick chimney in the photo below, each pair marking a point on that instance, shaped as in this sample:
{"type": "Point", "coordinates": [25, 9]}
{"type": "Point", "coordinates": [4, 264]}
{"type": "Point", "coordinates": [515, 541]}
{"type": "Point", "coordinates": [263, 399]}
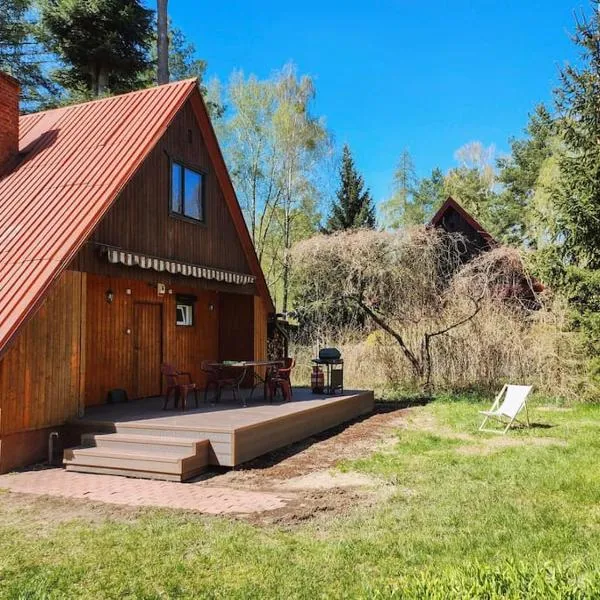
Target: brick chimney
{"type": "Point", "coordinates": [9, 118]}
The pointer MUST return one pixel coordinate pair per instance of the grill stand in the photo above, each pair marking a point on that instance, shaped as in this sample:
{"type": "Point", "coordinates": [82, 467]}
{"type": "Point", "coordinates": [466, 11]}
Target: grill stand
{"type": "Point", "coordinates": [334, 379]}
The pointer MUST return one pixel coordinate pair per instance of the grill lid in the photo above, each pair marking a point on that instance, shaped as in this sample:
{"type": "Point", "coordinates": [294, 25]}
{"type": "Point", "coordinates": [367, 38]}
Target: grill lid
{"type": "Point", "coordinates": [329, 354]}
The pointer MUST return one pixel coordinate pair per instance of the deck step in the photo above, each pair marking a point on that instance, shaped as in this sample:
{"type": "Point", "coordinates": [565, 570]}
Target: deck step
{"type": "Point", "coordinates": [167, 445]}
{"type": "Point", "coordinates": [152, 457]}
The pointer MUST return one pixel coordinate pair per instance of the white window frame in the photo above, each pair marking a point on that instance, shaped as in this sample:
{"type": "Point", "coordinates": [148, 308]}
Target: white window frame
{"type": "Point", "coordinates": [187, 309]}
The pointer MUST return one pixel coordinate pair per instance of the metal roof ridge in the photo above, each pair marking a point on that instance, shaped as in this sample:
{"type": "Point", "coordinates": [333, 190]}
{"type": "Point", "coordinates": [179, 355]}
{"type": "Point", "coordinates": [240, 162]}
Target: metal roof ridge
{"type": "Point", "coordinates": [148, 90]}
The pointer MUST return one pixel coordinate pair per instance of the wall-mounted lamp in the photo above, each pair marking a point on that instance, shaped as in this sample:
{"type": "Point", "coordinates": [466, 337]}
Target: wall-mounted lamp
{"type": "Point", "coordinates": [128, 291]}
{"type": "Point", "coordinates": [110, 296]}
{"type": "Point", "coordinates": [211, 307]}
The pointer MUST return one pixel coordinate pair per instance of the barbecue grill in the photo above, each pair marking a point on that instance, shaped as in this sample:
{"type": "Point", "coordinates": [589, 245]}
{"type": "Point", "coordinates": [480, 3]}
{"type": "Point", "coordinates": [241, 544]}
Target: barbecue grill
{"type": "Point", "coordinates": [333, 362]}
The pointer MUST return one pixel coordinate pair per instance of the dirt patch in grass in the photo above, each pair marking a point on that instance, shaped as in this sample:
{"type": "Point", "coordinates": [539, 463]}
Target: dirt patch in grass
{"type": "Point", "coordinates": [318, 453]}
{"type": "Point", "coordinates": [39, 515]}
{"type": "Point", "coordinates": [323, 494]}
{"type": "Point", "coordinates": [305, 473]}
{"type": "Point", "coordinates": [328, 480]}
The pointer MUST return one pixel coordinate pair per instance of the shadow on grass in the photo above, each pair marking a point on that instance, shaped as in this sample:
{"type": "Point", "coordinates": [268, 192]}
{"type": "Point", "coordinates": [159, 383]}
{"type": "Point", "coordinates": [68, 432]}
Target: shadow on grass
{"type": "Point", "coordinates": [522, 427]}
{"type": "Point", "coordinates": [383, 405]}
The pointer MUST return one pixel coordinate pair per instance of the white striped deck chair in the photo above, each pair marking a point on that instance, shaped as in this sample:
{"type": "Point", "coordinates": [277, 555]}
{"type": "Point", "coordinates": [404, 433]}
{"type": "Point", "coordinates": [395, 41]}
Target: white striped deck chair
{"type": "Point", "coordinates": [515, 398]}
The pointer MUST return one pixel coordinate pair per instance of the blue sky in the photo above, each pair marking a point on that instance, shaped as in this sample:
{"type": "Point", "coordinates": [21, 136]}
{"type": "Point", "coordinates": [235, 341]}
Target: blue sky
{"type": "Point", "coordinates": [392, 74]}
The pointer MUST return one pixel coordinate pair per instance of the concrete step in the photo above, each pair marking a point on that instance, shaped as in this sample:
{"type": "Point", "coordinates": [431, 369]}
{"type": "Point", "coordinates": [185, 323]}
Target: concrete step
{"type": "Point", "coordinates": [154, 457]}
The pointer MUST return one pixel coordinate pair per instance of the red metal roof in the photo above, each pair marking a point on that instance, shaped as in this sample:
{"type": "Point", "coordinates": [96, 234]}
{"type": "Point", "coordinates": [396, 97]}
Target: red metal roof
{"type": "Point", "coordinates": [73, 163]}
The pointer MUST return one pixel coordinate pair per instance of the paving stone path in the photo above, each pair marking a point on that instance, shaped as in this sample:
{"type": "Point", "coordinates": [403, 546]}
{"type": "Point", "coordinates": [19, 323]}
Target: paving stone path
{"type": "Point", "coordinates": [140, 492]}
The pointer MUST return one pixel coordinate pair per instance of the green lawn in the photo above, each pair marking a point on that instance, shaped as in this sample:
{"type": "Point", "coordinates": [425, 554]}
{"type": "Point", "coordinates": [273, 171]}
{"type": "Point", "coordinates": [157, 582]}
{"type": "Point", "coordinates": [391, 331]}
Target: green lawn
{"type": "Point", "coordinates": [470, 516]}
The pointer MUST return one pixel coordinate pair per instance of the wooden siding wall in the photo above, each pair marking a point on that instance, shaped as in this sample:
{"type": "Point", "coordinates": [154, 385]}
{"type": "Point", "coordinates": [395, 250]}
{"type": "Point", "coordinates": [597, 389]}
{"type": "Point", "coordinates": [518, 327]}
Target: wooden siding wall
{"type": "Point", "coordinates": [41, 374]}
{"type": "Point", "coordinates": [140, 219]}
{"type": "Point", "coordinates": [110, 359]}
{"type": "Point", "coordinates": [236, 327]}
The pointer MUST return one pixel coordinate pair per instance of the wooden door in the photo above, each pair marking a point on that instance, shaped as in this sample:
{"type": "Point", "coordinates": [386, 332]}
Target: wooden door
{"type": "Point", "coordinates": [147, 347]}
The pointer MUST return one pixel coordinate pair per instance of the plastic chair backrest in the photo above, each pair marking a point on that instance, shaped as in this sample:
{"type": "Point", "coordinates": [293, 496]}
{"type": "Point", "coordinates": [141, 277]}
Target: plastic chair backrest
{"type": "Point", "coordinates": [171, 374]}
{"type": "Point", "coordinates": [288, 365]}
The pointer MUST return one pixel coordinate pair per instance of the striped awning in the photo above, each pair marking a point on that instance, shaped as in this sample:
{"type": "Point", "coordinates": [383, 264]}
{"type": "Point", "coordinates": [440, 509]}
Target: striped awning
{"type": "Point", "coordinates": [133, 259]}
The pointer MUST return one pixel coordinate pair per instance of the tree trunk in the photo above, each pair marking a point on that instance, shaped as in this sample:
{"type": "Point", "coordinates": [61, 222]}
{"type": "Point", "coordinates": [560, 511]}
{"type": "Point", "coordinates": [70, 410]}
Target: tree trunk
{"type": "Point", "coordinates": [102, 87]}
{"type": "Point", "coordinates": [162, 42]}
{"type": "Point", "coordinates": [287, 239]}
{"type": "Point", "coordinates": [416, 365]}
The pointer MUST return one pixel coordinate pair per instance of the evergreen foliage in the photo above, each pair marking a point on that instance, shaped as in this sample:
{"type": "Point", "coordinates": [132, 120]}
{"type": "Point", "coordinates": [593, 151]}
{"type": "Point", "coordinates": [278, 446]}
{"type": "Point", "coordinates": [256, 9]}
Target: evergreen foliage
{"type": "Point", "coordinates": [414, 201]}
{"type": "Point", "coordinates": [400, 209]}
{"type": "Point", "coordinates": [573, 264]}
{"type": "Point", "coordinates": [354, 208]}
{"type": "Point", "coordinates": [104, 45]}
{"type": "Point", "coordinates": [20, 53]}
{"type": "Point", "coordinates": [528, 176]}
{"type": "Point", "coordinates": [578, 195]}
{"type": "Point", "coordinates": [429, 196]}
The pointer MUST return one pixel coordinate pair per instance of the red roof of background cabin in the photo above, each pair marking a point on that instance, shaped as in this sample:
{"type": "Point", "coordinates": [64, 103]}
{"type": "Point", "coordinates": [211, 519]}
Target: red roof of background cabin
{"type": "Point", "coordinates": [74, 162]}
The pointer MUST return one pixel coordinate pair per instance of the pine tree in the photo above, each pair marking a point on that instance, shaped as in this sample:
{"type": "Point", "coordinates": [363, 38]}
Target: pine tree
{"type": "Point", "coordinates": [428, 197]}
{"type": "Point", "coordinates": [104, 45]}
{"type": "Point", "coordinates": [578, 101]}
{"type": "Point", "coordinates": [20, 53]}
{"type": "Point", "coordinates": [414, 200]}
{"type": "Point", "coordinates": [527, 176]}
{"type": "Point", "coordinates": [354, 207]}
{"type": "Point", "coordinates": [577, 199]}
{"type": "Point", "coordinates": [399, 209]}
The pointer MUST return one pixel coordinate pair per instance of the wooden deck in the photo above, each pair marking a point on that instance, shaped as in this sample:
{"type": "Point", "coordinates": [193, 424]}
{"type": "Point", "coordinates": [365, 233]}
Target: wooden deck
{"type": "Point", "coordinates": [140, 439]}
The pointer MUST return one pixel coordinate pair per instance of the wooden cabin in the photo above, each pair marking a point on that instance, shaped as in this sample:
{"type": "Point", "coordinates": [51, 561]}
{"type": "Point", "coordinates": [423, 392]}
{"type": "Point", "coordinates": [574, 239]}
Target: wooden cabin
{"type": "Point", "coordinates": [453, 218]}
{"type": "Point", "coordinates": [122, 246]}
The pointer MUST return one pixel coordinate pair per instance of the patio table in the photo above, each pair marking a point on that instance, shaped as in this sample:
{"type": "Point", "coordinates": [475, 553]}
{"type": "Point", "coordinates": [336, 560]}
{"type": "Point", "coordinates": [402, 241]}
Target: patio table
{"type": "Point", "coordinates": [244, 365]}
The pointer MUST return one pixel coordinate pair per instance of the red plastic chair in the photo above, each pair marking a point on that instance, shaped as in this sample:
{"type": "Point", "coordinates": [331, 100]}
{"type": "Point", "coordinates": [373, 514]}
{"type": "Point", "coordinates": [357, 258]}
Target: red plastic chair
{"type": "Point", "coordinates": [179, 390]}
{"type": "Point", "coordinates": [280, 380]}
{"type": "Point", "coordinates": [215, 379]}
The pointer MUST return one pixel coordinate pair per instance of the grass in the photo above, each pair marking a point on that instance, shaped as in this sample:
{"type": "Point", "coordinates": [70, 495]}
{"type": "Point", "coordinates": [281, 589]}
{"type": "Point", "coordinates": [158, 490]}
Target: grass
{"type": "Point", "coordinates": [471, 516]}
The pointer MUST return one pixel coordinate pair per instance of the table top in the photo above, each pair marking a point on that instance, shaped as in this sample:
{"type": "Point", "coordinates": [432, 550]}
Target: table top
{"type": "Point", "coordinates": [247, 363]}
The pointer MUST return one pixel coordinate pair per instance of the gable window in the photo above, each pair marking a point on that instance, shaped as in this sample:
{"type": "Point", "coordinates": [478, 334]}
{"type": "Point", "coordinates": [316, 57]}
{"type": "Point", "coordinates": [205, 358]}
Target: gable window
{"type": "Point", "coordinates": [187, 192]}
{"type": "Point", "coordinates": [185, 314]}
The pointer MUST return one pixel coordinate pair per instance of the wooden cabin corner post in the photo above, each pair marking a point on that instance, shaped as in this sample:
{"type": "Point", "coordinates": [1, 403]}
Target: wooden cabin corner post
{"type": "Point", "coordinates": [82, 344]}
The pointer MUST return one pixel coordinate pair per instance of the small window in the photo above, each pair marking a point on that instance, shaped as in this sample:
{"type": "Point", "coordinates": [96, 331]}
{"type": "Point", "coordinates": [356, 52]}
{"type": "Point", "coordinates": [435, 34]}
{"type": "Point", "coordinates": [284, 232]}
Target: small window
{"type": "Point", "coordinates": [187, 191]}
{"type": "Point", "coordinates": [185, 314]}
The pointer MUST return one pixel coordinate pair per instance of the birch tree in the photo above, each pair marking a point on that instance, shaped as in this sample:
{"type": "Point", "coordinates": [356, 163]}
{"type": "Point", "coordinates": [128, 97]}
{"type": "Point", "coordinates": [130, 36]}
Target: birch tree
{"type": "Point", "coordinates": [273, 146]}
{"type": "Point", "coordinates": [300, 139]}
{"type": "Point", "coordinates": [249, 141]}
